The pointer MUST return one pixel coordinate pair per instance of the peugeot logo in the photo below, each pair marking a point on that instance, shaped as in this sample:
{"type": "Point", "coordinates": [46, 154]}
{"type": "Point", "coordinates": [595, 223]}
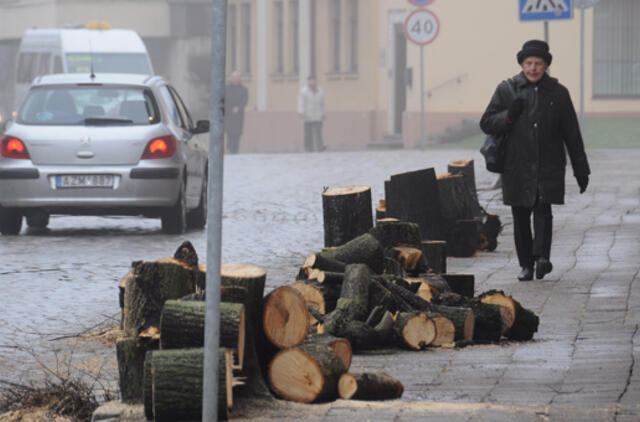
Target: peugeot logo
{"type": "Point", "coordinates": [85, 141]}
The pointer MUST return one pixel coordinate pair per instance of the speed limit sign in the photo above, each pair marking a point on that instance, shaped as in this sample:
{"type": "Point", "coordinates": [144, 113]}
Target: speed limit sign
{"type": "Point", "coordinates": [421, 27]}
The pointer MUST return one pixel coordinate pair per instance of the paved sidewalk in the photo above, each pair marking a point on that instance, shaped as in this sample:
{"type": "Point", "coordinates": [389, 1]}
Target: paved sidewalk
{"type": "Point", "coordinates": [581, 365]}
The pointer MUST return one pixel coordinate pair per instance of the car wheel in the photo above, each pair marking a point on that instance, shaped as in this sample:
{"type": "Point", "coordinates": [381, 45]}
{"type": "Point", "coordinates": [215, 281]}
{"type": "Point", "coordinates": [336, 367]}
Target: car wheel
{"type": "Point", "coordinates": [174, 219]}
{"type": "Point", "coordinates": [197, 218]}
{"type": "Point", "coordinates": [10, 221]}
{"type": "Point", "coordinates": [38, 220]}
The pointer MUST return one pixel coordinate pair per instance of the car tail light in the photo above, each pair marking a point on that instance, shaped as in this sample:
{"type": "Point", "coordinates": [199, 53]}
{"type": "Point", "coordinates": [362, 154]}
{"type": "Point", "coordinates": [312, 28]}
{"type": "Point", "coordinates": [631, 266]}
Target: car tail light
{"type": "Point", "coordinates": [11, 147]}
{"type": "Point", "coordinates": [163, 147]}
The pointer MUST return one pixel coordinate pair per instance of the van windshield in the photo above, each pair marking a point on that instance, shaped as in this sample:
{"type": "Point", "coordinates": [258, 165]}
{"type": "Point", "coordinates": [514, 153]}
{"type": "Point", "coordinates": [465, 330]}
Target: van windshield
{"type": "Point", "coordinates": [108, 63]}
{"type": "Point", "coordinates": [72, 105]}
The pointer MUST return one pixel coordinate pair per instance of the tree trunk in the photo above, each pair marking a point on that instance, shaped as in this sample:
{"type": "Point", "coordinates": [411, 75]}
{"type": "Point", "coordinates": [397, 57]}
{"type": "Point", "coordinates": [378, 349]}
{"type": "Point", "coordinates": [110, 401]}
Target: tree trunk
{"type": "Point", "coordinates": [488, 319]}
{"type": "Point", "coordinates": [380, 295]}
{"type": "Point", "coordinates": [364, 249]}
{"type": "Point", "coordinates": [145, 293]}
{"type": "Point", "coordinates": [341, 346]}
{"type": "Point", "coordinates": [462, 238]}
{"type": "Point", "coordinates": [147, 387]}
{"type": "Point", "coordinates": [413, 197]}
{"type": "Point", "coordinates": [369, 386]}
{"type": "Point", "coordinates": [347, 214]}
{"type": "Point", "coordinates": [435, 251]}
{"type": "Point", "coordinates": [466, 169]}
{"type": "Point", "coordinates": [413, 300]}
{"type": "Point", "coordinates": [355, 286]}
{"type": "Point", "coordinates": [391, 232]}
{"type": "Point", "coordinates": [307, 373]}
{"type": "Point", "coordinates": [463, 284]}
{"type": "Point", "coordinates": [456, 203]}
{"type": "Point", "coordinates": [463, 320]}
{"type": "Point", "coordinates": [519, 323]}
{"type": "Point", "coordinates": [415, 329]}
{"type": "Point", "coordinates": [285, 318]}
{"type": "Point", "coordinates": [182, 326]}
{"type": "Point", "coordinates": [177, 384]}
{"type": "Point", "coordinates": [507, 307]}
{"type": "Point", "coordinates": [130, 354]}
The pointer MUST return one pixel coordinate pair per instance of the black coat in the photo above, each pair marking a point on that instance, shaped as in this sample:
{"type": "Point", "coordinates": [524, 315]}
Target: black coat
{"type": "Point", "coordinates": [537, 142]}
{"type": "Point", "coordinates": [235, 96]}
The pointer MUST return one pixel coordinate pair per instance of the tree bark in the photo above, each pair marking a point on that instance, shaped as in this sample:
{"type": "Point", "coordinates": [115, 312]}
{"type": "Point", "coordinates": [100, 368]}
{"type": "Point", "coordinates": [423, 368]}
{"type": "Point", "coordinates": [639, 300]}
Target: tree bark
{"type": "Point", "coordinates": [456, 202]}
{"type": "Point", "coordinates": [462, 238]}
{"type": "Point", "coordinates": [347, 214]}
{"type": "Point", "coordinates": [145, 293]}
{"type": "Point", "coordinates": [435, 251]}
{"type": "Point", "coordinates": [488, 318]}
{"type": "Point", "coordinates": [341, 346]}
{"type": "Point", "coordinates": [391, 232]}
{"type": "Point", "coordinates": [412, 259]}
{"type": "Point", "coordinates": [307, 373]}
{"type": "Point", "coordinates": [321, 262]}
{"type": "Point", "coordinates": [463, 320]}
{"type": "Point", "coordinates": [364, 249]}
{"type": "Point", "coordinates": [369, 386]}
{"type": "Point", "coordinates": [182, 326]}
{"type": "Point", "coordinates": [489, 230]}
{"type": "Point", "coordinates": [130, 354]}
{"type": "Point", "coordinates": [381, 210]}
{"type": "Point", "coordinates": [355, 286]}
{"type": "Point", "coordinates": [463, 284]}
{"type": "Point", "coordinates": [285, 318]}
{"type": "Point", "coordinates": [415, 329]}
{"type": "Point", "coordinates": [466, 169]}
{"type": "Point", "coordinates": [322, 296]}
{"type": "Point", "coordinates": [445, 330]}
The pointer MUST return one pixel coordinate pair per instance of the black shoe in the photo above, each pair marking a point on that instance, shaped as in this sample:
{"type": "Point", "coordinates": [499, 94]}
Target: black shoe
{"type": "Point", "coordinates": [526, 274]}
{"type": "Point", "coordinates": [543, 267]}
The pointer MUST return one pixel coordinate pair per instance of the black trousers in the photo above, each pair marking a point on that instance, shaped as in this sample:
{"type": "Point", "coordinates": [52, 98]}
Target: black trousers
{"type": "Point", "coordinates": [313, 131]}
{"type": "Point", "coordinates": [233, 142]}
{"type": "Point", "coordinates": [530, 247]}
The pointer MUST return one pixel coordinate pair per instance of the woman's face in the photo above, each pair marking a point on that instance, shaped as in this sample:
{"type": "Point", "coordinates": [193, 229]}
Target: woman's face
{"type": "Point", "coordinates": [534, 68]}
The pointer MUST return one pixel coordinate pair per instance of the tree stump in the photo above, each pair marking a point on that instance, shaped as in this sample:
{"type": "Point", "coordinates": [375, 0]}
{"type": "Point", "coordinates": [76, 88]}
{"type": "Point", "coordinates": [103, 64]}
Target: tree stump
{"type": "Point", "coordinates": [347, 214]}
{"type": "Point", "coordinates": [369, 386]}
{"type": "Point", "coordinates": [341, 346]}
{"type": "Point", "coordinates": [154, 283]}
{"type": "Point", "coordinates": [130, 354]}
{"type": "Point", "coordinates": [456, 202]}
{"type": "Point", "coordinates": [307, 373]}
{"type": "Point", "coordinates": [355, 287]}
{"type": "Point", "coordinates": [381, 210]}
{"type": "Point", "coordinates": [465, 168]}
{"type": "Point", "coordinates": [182, 326]}
{"type": "Point", "coordinates": [364, 249]}
{"type": "Point", "coordinates": [462, 238]}
{"type": "Point", "coordinates": [390, 232]}
{"type": "Point", "coordinates": [285, 318]}
{"type": "Point", "coordinates": [435, 251]}
{"type": "Point", "coordinates": [415, 329]}
{"type": "Point", "coordinates": [177, 384]}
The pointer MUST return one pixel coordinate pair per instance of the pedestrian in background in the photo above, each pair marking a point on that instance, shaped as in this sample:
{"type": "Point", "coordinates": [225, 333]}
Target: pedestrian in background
{"type": "Point", "coordinates": [541, 124]}
{"type": "Point", "coordinates": [236, 97]}
{"type": "Point", "coordinates": [311, 109]}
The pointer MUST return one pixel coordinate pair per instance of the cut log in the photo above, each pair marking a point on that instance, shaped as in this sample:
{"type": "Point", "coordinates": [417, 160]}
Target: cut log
{"type": "Point", "coordinates": [381, 210]}
{"type": "Point", "coordinates": [507, 307]}
{"type": "Point", "coordinates": [355, 286]}
{"type": "Point", "coordinates": [177, 384]}
{"type": "Point", "coordinates": [285, 318]}
{"type": "Point", "coordinates": [380, 295]}
{"type": "Point", "coordinates": [393, 267]}
{"type": "Point", "coordinates": [376, 315]}
{"type": "Point", "coordinates": [328, 277]}
{"type": "Point", "coordinates": [489, 230]}
{"type": "Point", "coordinates": [321, 295]}
{"type": "Point", "coordinates": [487, 317]}
{"type": "Point", "coordinates": [456, 203]}
{"type": "Point", "coordinates": [445, 330]}
{"type": "Point", "coordinates": [413, 300]}
{"type": "Point", "coordinates": [435, 251]}
{"type": "Point", "coordinates": [362, 336]}
{"type": "Point", "coordinates": [347, 214]}
{"type": "Point", "coordinates": [426, 291]}
{"type": "Point", "coordinates": [437, 281]}
{"type": "Point", "coordinates": [466, 169]}
{"type": "Point", "coordinates": [130, 354]}
{"type": "Point", "coordinates": [463, 284]}
{"type": "Point", "coordinates": [145, 293]}
{"type": "Point", "coordinates": [369, 386]}
{"type": "Point", "coordinates": [415, 329]}
{"type": "Point", "coordinates": [363, 249]}
{"type": "Point", "coordinates": [307, 373]}
{"type": "Point", "coordinates": [182, 326]}
{"type": "Point", "coordinates": [412, 259]}
{"type": "Point", "coordinates": [341, 346]}
{"type": "Point", "coordinates": [147, 387]}
{"type": "Point", "coordinates": [321, 262]}
{"type": "Point", "coordinates": [519, 323]}
{"type": "Point", "coordinates": [390, 232]}
{"type": "Point", "coordinates": [462, 238]}
{"type": "Point", "coordinates": [234, 294]}
{"type": "Point", "coordinates": [413, 196]}
{"type": "Point", "coordinates": [463, 320]}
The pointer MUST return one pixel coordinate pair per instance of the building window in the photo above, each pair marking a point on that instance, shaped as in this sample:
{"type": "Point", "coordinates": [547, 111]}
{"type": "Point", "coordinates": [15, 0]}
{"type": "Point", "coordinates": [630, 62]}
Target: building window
{"type": "Point", "coordinates": [295, 35]}
{"type": "Point", "coordinates": [246, 38]}
{"type": "Point", "coordinates": [335, 34]}
{"type": "Point", "coordinates": [278, 12]}
{"type": "Point", "coordinates": [233, 37]}
{"type": "Point", "coordinates": [616, 49]}
{"type": "Point", "coordinates": [353, 35]}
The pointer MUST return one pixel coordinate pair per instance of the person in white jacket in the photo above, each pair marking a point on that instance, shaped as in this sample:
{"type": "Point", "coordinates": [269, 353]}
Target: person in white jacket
{"type": "Point", "coordinates": [311, 109]}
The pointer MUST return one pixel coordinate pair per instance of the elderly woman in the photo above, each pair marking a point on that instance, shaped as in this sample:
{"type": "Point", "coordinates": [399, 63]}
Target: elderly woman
{"type": "Point", "coordinates": [542, 126]}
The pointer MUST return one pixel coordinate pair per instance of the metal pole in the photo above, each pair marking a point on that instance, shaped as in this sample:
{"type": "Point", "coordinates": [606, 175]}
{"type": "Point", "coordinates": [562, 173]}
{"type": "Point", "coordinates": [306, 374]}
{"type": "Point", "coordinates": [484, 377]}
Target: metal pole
{"type": "Point", "coordinates": [214, 213]}
{"type": "Point", "coordinates": [546, 32]}
{"type": "Point", "coordinates": [582, 69]}
{"type": "Point", "coordinates": [423, 140]}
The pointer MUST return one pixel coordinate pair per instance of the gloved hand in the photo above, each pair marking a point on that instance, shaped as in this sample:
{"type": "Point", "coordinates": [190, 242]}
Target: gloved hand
{"type": "Point", "coordinates": [583, 181]}
{"type": "Point", "coordinates": [515, 109]}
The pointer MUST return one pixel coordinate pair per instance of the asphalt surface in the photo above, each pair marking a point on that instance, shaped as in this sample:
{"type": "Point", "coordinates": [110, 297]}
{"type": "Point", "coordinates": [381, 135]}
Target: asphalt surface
{"type": "Point", "coordinates": [580, 365]}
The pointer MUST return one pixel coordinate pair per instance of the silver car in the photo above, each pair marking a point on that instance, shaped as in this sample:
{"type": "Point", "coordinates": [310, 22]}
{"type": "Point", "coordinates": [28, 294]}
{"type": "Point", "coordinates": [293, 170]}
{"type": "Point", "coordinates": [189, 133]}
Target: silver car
{"type": "Point", "coordinates": [106, 144]}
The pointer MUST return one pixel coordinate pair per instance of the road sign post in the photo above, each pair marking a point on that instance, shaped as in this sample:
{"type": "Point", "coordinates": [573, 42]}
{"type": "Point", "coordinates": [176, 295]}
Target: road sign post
{"type": "Point", "coordinates": [582, 5]}
{"type": "Point", "coordinates": [545, 10]}
{"type": "Point", "coordinates": [421, 27]}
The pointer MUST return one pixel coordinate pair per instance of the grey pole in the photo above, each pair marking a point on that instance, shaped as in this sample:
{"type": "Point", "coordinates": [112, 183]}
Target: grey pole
{"type": "Point", "coordinates": [214, 213]}
{"type": "Point", "coordinates": [423, 140]}
{"type": "Point", "coordinates": [582, 68]}
{"type": "Point", "coordinates": [546, 32]}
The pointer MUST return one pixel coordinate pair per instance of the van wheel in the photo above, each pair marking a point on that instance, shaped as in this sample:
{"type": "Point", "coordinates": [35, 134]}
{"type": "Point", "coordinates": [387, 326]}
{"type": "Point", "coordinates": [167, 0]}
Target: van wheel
{"type": "Point", "coordinates": [197, 218]}
{"type": "Point", "coordinates": [10, 221]}
{"type": "Point", "coordinates": [174, 219]}
{"type": "Point", "coordinates": [37, 220]}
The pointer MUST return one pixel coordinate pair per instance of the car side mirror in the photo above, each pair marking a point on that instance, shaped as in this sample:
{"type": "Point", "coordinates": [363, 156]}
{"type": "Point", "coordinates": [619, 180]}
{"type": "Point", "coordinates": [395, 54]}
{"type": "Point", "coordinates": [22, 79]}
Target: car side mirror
{"type": "Point", "coordinates": [202, 126]}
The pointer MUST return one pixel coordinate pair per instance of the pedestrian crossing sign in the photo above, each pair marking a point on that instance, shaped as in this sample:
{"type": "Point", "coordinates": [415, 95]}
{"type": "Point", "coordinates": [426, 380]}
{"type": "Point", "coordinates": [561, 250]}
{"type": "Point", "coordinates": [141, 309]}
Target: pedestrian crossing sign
{"type": "Point", "coordinates": [545, 10]}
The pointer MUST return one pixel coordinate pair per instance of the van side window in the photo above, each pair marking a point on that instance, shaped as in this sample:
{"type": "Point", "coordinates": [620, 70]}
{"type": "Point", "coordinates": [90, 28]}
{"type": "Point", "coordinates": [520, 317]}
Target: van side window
{"type": "Point", "coordinates": [174, 114]}
{"type": "Point", "coordinates": [27, 67]}
{"type": "Point", "coordinates": [57, 65]}
{"type": "Point", "coordinates": [43, 65]}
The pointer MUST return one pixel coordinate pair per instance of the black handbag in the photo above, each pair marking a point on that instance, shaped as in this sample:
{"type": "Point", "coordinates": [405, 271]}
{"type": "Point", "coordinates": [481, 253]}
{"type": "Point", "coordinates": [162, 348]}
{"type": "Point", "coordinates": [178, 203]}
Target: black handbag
{"type": "Point", "coordinates": [494, 146]}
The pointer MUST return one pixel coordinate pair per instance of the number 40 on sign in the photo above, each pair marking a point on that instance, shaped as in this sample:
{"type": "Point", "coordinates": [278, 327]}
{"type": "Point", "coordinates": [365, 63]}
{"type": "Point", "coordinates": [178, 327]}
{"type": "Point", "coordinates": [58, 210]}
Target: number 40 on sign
{"type": "Point", "coordinates": [421, 27]}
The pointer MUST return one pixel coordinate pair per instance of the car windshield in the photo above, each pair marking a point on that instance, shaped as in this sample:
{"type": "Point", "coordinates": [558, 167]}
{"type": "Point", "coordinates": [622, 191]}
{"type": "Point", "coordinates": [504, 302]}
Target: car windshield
{"type": "Point", "coordinates": [94, 104]}
{"type": "Point", "coordinates": [108, 63]}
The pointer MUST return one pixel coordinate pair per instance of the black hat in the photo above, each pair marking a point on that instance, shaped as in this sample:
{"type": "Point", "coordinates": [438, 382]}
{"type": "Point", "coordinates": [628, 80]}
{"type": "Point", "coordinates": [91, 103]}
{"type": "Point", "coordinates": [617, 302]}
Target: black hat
{"type": "Point", "coordinates": [535, 48]}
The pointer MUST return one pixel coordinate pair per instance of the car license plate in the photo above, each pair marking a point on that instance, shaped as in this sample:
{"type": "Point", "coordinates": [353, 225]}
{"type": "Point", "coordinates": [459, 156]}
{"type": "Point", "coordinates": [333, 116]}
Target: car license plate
{"type": "Point", "coordinates": [84, 181]}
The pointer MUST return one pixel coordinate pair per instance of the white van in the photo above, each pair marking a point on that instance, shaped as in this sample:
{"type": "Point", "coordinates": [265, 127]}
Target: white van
{"type": "Point", "coordinates": [76, 50]}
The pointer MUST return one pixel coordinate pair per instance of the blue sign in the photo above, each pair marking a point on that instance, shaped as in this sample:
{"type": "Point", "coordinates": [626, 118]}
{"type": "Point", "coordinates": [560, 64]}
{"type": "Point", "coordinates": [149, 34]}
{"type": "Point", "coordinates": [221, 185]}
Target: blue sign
{"type": "Point", "coordinates": [545, 10]}
{"type": "Point", "coordinates": [421, 3]}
